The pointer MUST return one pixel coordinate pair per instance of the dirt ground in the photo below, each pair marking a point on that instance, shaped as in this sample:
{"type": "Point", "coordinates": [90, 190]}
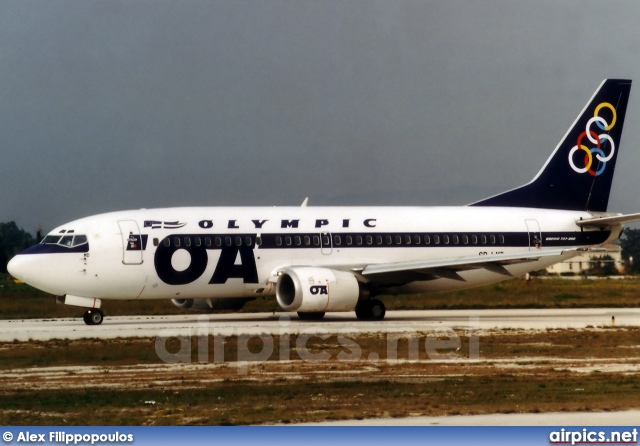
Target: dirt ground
{"type": "Point", "coordinates": [60, 382]}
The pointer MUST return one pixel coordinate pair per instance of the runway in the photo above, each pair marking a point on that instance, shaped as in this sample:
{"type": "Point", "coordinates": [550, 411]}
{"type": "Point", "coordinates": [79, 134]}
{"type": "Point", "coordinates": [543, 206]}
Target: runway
{"type": "Point", "coordinates": [617, 418]}
{"type": "Point", "coordinates": [281, 323]}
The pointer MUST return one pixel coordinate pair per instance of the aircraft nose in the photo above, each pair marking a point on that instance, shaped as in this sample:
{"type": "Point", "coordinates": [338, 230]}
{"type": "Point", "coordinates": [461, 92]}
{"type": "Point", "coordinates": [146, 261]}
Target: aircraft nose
{"type": "Point", "coordinates": [17, 267]}
{"type": "Point", "coordinates": [41, 271]}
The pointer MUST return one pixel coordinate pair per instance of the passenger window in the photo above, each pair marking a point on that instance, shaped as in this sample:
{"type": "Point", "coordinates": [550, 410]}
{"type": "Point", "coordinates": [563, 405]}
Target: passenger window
{"type": "Point", "coordinates": [465, 239]}
{"type": "Point", "coordinates": [307, 240]}
{"type": "Point", "coordinates": [398, 240]}
{"type": "Point", "coordinates": [238, 241]}
{"type": "Point", "coordinates": [455, 239]}
{"type": "Point", "coordinates": [474, 239]}
{"type": "Point", "coordinates": [247, 241]}
{"type": "Point", "coordinates": [445, 238]}
{"type": "Point", "coordinates": [501, 239]}
{"type": "Point", "coordinates": [436, 239]}
{"type": "Point", "coordinates": [187, 241]}
{"type": "Point", "coordinates": [166, 242]}
{"type": "Point", "coordinates": [416, 239]}
{"type": "Point", "coordinates": [259, 241]}
{"type": "Point", "coordinates": [407, 239]}
{"type": "Point", "coordinates": [156, 242]}
{"type": "Point", "coordinates": [297, 240]}
{"type": "Point", "coordinates": [197, 241]}
{"type": "Point", "coordinates": [349, 240]}
{"type": "Point", "coordinates": [316, 240]}
{"type": "Point", "coordinates": [379, 239]}
{"type": "Point", "coordinates": [369, 240]}
{"type": "Point", "coordinates": [218, 241]}
{"type": "Point", "coordinates": [326, 240]}
{"type": "Point", "coordinates": [337, 240]}
{"type": "Point", "coordinates": [176, 241]}
{"type": "Point", "coordinates": [278, 240]}
{"type": "Point", "coordinates": [483, 239]}
{"type": "Point", "coordinates": [228, 241]}
{"type": "Point", "coordinates": [492, 239]}
{"type": "Point", "coordinates": [358, 240]}
{"type": "Point", "coordinates": [388, 239]}
{"type": "Point", "coordinates": [207, 241]}
{"type": "Point", "coordinates": [287, 240]}
{"type": "Point", "coordinates": [427, 240]}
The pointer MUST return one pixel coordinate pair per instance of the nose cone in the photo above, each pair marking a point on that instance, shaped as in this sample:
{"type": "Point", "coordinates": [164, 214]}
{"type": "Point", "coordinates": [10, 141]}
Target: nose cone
{"type": "Point", "coordinates": [45, 272]}
{"type": "Point", "coordinates": [17, 267]}
{"type": "Point", "coordinates": [53, 268]}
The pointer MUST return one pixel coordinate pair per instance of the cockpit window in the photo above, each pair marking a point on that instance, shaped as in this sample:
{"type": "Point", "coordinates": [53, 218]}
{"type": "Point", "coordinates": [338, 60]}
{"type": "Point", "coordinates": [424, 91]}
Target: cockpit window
{"type": "Point", "coordinates": [66, 240]}
{"type": "Point", "coordinates": [50, 240]}
{"type": "Point", "coordinates": [79, 240]}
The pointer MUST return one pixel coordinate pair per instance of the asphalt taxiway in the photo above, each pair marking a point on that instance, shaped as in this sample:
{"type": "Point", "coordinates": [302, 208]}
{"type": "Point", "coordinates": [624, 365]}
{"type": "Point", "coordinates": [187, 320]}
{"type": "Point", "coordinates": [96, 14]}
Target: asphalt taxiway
{"type": "Point", "coordinates": [279, 323]}
{"type": "Point", "coordinates": [617, 418]}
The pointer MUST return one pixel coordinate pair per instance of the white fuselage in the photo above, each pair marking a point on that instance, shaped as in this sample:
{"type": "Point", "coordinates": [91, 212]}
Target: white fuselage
{"type": "Point", "coordinates": [188, 253]}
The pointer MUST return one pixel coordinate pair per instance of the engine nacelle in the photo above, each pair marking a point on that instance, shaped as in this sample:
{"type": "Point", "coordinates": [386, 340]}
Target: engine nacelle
{"type": "Point", "coordinates": [216, 304]}
{"type": "Point", "coordinates": [307, 289]}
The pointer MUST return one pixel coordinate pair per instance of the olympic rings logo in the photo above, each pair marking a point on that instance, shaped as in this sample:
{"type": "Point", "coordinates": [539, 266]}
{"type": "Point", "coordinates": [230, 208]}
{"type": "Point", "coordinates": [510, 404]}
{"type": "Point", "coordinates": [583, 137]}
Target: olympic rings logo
{"type": "Point", "coordinates": [597, 140]}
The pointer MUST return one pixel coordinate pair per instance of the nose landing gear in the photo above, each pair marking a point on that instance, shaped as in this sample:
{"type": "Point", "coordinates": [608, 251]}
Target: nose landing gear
{"type": "Point", "coordinates": [94, 316]}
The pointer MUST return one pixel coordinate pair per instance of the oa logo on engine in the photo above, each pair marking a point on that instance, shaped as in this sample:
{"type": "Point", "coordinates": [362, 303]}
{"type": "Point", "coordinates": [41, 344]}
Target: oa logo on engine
{"type": "Point", "coordinates": [318, 289]}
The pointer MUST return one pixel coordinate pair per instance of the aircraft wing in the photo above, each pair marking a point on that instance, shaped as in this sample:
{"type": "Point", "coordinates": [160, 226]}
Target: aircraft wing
{"type": "Point", "coordinates": [604, 222]}
{"type": "Point", "coordinates": [449, 268]}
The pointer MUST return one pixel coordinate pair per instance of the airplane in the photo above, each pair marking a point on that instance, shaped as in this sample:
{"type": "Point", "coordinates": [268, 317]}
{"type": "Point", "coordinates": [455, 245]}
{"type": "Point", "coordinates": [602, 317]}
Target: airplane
{"type": "Point", "coordinates": [339, 259]}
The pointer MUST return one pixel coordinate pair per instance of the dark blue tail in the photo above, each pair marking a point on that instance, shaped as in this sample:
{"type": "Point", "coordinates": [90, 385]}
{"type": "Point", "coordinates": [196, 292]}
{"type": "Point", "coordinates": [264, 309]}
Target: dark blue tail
{"type": "Point", "coordinates": [579, 173]}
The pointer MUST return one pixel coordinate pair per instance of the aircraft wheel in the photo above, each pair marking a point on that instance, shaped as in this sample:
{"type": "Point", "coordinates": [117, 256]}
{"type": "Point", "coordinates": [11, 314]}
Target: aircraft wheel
{"type": "Point", "coordinates": [95, 316]}
{"type": "Point", "coordinates": [311, 316]}
{"type": "Point", "coordinates": [371, 310]}
{"type": "Point", "coordinates": [377, 309]}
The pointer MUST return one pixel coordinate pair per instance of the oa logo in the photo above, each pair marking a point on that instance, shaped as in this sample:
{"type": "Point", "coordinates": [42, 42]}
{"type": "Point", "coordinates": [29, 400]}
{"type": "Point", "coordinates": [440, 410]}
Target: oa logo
{"type": "Point", "coordinates": [318, 289]}
{"type": "Point", "coordinates": [226, 267]}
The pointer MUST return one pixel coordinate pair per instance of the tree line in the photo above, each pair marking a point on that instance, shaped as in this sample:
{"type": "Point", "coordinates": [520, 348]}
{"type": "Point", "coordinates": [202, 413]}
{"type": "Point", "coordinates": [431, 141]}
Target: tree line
{"type": "Point", "coordinates": [630, 243]}
{"type": "Point", "coordinates": [12, 240]}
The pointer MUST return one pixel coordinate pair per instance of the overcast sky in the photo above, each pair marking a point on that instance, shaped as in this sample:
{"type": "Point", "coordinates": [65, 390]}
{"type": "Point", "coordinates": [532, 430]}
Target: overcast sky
{"type": "Point", "coordinates": [111, 105]}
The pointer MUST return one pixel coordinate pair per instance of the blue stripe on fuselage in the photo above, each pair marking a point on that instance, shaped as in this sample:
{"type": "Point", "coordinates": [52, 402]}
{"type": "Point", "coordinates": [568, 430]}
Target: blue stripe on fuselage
{"type": "Point", "coordinates": [55, 249]}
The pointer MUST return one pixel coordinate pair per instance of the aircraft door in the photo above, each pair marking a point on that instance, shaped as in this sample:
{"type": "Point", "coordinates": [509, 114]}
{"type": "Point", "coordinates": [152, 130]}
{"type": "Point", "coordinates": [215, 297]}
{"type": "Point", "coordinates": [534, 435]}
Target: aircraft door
{"type": "Point", "coordinates": [535, 236]}
{"type": "Point", "coordinates": [326, 244]}
{"type": "Point", "coordinates": [131, 242]}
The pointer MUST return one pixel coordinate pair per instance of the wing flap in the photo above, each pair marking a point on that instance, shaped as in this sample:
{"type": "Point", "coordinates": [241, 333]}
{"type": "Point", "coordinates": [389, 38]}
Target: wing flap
{"type": "Point", "coordinates": [450, 268]}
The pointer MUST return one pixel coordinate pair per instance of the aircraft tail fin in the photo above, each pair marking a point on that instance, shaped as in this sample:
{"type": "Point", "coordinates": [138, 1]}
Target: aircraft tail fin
{"type": "Point", "coordinates": [578, 174]}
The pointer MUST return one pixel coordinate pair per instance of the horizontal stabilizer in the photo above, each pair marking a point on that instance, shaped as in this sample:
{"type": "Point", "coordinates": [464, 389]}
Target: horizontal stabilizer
{"type": "Point", "coordinates": [605, 222]}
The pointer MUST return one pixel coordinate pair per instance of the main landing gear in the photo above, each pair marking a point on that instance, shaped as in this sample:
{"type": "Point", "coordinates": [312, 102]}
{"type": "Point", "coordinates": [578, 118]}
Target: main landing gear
{"type": "Point", "coordinates": [367, 310]}
{"type": "Point", "coordinates": [93, 316]}
{"type": "Point", "coordinates": [311, 316]}
{"type": "Point", "coordinates": [370, 310]}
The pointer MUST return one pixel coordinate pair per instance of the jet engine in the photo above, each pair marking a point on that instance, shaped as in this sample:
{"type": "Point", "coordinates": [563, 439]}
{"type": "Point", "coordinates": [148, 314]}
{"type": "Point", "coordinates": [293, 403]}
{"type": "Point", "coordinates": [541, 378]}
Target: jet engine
{"type": "Point", "coordinates": [310, 290]}
{"type": "Point", "coordinates": [211, 304]}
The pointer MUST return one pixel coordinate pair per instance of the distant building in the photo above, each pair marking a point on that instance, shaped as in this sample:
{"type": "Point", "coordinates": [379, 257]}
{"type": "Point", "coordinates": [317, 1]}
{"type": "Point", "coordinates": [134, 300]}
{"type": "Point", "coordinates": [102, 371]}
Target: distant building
{"type": "Point", "coordinates": [591, 263]}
